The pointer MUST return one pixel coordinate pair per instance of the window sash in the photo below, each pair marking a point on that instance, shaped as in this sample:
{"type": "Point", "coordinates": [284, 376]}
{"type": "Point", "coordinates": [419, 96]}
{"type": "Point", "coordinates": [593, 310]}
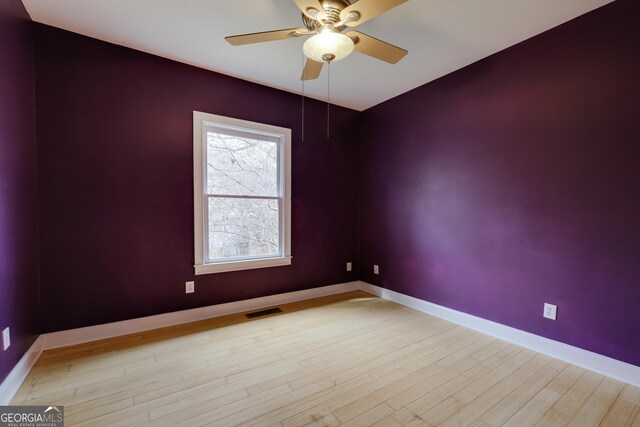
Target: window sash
{"type": "Point", "coordinates": [244, 133]}
{"type": "Point", "coordinates": [205, 236]}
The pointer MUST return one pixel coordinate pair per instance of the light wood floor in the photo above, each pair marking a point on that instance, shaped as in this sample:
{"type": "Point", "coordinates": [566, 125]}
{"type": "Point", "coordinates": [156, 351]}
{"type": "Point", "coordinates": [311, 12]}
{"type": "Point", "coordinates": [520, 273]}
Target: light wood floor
{"type": "Point", "coordinates": [350, 359]}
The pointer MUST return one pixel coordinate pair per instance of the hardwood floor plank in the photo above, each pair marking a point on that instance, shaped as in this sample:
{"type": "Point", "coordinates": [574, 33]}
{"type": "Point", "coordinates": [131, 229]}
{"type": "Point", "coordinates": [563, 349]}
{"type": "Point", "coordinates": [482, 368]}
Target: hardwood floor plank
{"type": "Point", "coordinates": [386, 394]}
{"type": "Point", "coordinates": [437, 400]}
{"type": "Point", "coordinates": [631, 394]}
{"type": "Point", "coordinates": [563, 382]}
{"type": "Point", "coordinates": [326, 421]}
{"type": "Point", "coordinates": [578, 393]}
{"type": "Point", "coordinates": [510, 405]}
{"type": "Point", "coordinates": [636, 422]}
{"type": "Point", "coordinates": [387, 422]}
{"type": "Point", "coordinates": [621, 413]}
{"type": "Point", "coordinates": [495, 376]}
{"type": "Point", "coordinates": [189, 407]}
{"type": "Point", "coordinates": [337, 401]}
{"type": "Point", "coordinates": [79, 416]}
{"type": "Point", "coordinates": [156, 391]}
{"type": "Point", "coordinates": [553, 418]}
{"type": "Point", "coordinates": [202, 412]}
{"type": "Point", "coordinates": [266, 407]}
{"type": "Point", "coordinates": [369, 417]}
{"type": "Point", "coordinates": [534, 409]}
{"type": "Point", "coordinates": [469, 413]}
{"type": "Point", "coordinates": [295, 407]}
{"type": "Point", "coordinates": [598, 404]}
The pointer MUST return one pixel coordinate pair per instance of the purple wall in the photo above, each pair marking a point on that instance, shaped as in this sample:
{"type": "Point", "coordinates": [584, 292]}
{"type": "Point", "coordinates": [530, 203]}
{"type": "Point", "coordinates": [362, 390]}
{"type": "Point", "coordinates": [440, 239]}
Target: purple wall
{"type": "Point", "coordinates": [116, 194]}
{"type": "Point", "coordinates": [516, 181]}
{"type": "Point", "coordinates": [19, 298]}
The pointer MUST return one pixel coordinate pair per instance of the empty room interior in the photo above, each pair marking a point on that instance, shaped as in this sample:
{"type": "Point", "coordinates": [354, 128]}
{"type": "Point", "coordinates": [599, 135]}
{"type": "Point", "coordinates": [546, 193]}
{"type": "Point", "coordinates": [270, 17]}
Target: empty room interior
{"type": "Point", "coordinates": [320, 212]}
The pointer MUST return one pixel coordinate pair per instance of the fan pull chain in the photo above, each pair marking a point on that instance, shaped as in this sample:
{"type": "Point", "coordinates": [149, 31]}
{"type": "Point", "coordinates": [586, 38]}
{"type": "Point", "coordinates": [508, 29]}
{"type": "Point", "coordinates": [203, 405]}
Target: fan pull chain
{"type": "Point", "coordinates": [328, 96]}
{"type": "Point", "coordinates": [303, 62]}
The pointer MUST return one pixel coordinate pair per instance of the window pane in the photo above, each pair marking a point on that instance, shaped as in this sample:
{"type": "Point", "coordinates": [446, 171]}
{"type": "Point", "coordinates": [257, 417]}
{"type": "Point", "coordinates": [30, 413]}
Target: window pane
{"type": "Point", "coordinates": [241, 166]}
{"type": "Point", "coordinates": [242, 227]}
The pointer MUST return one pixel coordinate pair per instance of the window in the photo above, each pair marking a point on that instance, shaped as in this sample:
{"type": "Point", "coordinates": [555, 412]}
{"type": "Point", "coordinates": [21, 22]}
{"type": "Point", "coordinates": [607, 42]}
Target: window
{"type": "Point", "coordinates": [242, 181]}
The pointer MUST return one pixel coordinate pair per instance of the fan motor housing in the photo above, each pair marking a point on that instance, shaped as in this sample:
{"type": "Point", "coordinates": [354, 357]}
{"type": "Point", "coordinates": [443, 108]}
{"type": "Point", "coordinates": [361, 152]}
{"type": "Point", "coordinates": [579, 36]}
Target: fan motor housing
{"type": "Point", "coordinates": [332, 8]}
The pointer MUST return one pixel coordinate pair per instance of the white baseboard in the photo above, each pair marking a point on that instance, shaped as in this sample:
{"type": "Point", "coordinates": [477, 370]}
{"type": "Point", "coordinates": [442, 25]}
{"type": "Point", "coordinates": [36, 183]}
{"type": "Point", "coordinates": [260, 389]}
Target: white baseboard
{"type": "Point", "coordinates": [603, 365]}
{"type": "Point", "coordinates": [12, 383]}
{"type": "Point", "coordinates": [110, 330]}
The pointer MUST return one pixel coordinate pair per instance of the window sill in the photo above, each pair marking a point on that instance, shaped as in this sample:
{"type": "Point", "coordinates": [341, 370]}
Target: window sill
{"type": "Point", "coordinates": [222, 267]}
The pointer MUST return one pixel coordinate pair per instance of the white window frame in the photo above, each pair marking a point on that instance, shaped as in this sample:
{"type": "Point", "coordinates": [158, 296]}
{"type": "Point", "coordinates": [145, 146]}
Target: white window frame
{"type": "Point", "coordinates": [200, 123]}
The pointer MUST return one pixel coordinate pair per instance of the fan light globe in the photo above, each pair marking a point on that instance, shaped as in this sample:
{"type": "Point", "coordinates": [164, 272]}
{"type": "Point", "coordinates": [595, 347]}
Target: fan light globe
{"type": "Point", "coordinates": [328, 46]}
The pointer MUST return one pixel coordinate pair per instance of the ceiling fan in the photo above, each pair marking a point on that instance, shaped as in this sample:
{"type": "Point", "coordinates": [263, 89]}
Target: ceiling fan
{"type": "Point", "coordinates": [325, 21]}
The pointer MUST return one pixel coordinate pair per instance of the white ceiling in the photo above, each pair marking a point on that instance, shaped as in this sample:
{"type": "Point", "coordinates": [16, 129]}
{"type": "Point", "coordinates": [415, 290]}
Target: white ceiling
{"type": "Point", "coordinates": [440, 35]}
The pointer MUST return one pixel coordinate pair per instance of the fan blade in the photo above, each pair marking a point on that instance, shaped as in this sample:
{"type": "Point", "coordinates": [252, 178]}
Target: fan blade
{"type": "Point", "coordinates": [368, 9]}
{"type": "Point", "coordinates": [376, 48]}
{"type": "Point", "coordinates": [311, 70]}
{"type": "Point", "coordinates": [307, 7]}
{"type": "Point", "coordinates": [266, 36]}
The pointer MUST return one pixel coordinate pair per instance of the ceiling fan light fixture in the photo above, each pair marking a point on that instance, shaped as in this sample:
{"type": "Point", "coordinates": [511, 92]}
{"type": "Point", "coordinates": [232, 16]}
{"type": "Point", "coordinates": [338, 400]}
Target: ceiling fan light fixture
{"type": "Point", "coordinates": [328, 46]}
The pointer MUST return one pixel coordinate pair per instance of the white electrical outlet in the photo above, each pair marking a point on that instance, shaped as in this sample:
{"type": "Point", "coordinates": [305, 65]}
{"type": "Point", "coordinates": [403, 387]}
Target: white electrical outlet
{"type": "Point", "coordinates": [6, 339]}
{"type": "Point", "coordinates": [349, 266]}
{"type": "Point", "coordinates": [550, 311]}
{"type": "Point", "coordinates": [190, 287]}
{"type": "Point", "coordinates": [376, 269]}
